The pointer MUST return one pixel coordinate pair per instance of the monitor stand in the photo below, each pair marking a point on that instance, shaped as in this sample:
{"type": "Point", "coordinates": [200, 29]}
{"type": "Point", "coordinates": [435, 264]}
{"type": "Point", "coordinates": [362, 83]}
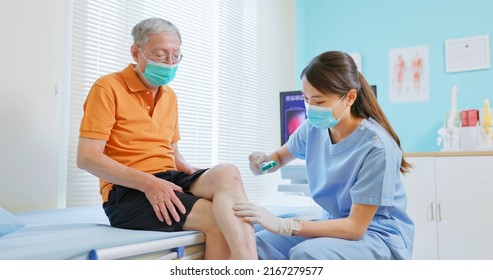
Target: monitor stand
{"type": "Point", "coordinates": [295, 172]}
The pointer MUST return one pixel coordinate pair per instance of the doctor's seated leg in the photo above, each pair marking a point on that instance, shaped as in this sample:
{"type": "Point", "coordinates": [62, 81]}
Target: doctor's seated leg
{"type": "Point", "coordinates": [272, 246]}
{"type": "Point", "coordinates": [369, 247]}
{"type": "Point", "coordinates": [276, 247]}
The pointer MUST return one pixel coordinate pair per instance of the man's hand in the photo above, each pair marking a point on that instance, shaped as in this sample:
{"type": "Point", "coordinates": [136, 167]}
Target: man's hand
{"type": "Point", "coordinates": [190, 170]}
{"type": "Point", "coordinates": [161, 195]}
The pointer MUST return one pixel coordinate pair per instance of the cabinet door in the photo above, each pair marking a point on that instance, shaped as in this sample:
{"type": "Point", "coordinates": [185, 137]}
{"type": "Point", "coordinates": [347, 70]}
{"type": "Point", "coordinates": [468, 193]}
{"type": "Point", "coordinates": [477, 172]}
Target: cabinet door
{"type": "Point", "coordinates": [420, 190]}
{"type": "Point", "coordinates": [465, 203]}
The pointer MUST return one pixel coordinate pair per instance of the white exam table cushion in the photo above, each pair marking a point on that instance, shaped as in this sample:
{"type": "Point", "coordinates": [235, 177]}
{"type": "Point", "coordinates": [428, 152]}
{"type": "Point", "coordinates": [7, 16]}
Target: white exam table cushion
{"type": "Point", "coordinates": [71, 233]}
{"type": "Point", "coordinates": [85, 233]}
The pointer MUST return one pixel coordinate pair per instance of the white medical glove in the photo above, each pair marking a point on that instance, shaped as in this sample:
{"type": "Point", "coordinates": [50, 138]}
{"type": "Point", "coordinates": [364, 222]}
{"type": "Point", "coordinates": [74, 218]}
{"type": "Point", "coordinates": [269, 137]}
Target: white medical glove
{"type": "Point", "coordinates": [256, 158]}
{"type": "Point", "coordinates": [262, 216]}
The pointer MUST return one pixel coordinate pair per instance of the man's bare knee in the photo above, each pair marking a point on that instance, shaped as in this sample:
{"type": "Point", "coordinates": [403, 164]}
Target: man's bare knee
{"type": "Point", "coordinates": [221, 179]}
{"type": "Point", "coordinates": [229, 171]}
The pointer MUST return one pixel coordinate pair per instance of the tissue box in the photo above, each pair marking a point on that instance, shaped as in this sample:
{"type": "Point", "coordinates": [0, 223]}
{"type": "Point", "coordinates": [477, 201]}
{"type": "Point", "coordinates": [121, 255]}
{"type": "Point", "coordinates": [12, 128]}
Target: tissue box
{"type": "Point", "coordinates": [469, 138]}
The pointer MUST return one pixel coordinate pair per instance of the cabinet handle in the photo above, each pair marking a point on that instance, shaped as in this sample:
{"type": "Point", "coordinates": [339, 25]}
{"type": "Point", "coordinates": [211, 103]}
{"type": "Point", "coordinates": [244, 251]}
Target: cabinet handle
{"type": "Point", "coordinates": [439, 211]}
{"type": "Point", "coordinates": [432, 210]}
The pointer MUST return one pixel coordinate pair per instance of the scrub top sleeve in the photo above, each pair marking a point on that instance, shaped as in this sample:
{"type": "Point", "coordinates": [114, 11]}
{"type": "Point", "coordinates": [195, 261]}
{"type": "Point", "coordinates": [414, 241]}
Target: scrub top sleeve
{"type": "Point", "coordinates": [376, 180]}
{"type": "Point", "coordinates": [297, 141]}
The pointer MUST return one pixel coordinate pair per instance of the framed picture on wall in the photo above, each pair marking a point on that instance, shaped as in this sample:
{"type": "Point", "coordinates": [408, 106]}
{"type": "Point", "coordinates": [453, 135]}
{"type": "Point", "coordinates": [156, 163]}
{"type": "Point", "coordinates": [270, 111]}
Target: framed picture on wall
{"type": "Point", "coordinates": [409, 74]}
{"type": "Point", "coordinates": [466, 54]}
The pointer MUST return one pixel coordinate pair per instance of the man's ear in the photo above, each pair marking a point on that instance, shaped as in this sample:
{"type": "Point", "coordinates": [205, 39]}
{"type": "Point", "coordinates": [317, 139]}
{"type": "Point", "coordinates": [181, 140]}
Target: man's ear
{"type": "Point", "coordinates": [134, 51]}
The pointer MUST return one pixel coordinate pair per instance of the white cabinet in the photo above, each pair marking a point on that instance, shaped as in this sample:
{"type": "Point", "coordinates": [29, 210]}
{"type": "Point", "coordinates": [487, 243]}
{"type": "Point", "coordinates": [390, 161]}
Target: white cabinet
{"type": "Point", "coordinates": [450, 199]}
{"type": "Point", "coordinates": [421, 206]}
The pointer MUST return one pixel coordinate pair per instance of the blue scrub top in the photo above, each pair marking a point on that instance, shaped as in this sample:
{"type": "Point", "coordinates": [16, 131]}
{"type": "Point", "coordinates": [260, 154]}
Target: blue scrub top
{"type": "Point", "coordinates": [363, 168]}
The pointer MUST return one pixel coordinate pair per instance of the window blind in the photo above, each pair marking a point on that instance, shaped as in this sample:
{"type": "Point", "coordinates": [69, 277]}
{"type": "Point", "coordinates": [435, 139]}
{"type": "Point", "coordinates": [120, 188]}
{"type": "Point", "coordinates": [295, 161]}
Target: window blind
{"type": "Point", "coordinates": [227, 83]}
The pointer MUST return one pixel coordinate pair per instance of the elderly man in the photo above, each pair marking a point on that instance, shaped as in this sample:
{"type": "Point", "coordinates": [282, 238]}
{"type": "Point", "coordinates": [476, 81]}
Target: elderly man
{"type": "Point", "coordinates": [129, 139]}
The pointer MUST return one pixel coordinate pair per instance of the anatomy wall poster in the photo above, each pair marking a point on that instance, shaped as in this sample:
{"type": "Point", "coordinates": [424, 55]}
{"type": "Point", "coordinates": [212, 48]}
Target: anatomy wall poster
{"type": "Point", "coordinates": [409, 74]}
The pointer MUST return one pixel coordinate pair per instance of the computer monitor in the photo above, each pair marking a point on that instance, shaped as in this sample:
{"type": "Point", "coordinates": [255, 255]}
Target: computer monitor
{"type": "Point", "coordinates": [293, 112]}
{"type": "Point", "coordinates": [374, 88]}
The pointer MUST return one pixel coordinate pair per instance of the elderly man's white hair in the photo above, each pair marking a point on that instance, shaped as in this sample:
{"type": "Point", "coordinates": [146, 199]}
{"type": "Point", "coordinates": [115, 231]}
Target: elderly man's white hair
{"type": "Point", "coordinates": [152, 26]}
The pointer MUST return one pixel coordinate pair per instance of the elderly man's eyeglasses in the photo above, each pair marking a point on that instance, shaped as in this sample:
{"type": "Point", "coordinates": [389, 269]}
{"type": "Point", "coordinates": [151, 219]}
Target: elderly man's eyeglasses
{"type": "Point", "coordinates": [164, 58]}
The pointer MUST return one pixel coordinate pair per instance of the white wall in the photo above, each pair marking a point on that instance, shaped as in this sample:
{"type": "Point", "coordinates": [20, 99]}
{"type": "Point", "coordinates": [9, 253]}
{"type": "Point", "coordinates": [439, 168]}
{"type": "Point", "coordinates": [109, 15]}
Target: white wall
{"type": "Point", "coordinates": [30, 112]}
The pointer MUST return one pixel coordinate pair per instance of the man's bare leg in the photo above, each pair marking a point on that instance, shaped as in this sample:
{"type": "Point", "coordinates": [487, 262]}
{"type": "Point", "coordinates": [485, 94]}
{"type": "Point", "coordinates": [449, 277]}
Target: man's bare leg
{"type": "Point", "coordinates": [222, 185]}
{"type": "Point", "coordinates": [202, 218]}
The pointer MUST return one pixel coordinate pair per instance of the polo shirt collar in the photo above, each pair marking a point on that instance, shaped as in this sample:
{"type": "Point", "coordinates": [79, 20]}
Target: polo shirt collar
{"type": "Point", "coordinates": [133, 81]}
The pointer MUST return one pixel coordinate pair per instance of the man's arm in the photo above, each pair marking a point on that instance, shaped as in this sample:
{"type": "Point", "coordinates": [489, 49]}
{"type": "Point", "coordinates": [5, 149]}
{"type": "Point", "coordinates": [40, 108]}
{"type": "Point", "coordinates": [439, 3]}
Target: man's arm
{"type": "Point", "coordinates": [160, 193]}
{"type": "Point", "coordinates": [181, 163]}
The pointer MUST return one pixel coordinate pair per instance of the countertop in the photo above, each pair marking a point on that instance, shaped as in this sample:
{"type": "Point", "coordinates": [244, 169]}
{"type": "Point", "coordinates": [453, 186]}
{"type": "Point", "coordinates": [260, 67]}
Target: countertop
{"type": "Point", "coordinates": [451, 154]}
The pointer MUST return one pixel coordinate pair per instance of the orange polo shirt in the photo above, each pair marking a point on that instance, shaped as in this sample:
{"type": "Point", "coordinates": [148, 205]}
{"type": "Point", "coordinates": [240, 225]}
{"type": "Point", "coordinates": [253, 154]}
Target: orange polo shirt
{"type": "Point", "coordinates": [138, 131]}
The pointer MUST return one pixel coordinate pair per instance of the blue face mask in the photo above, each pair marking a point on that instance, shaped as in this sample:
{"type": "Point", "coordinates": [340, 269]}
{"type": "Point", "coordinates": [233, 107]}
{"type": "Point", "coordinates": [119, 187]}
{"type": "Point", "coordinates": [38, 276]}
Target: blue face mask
{"type": "Point", "coordinates": [322, 117]}
{"type": "Point", "coordinates": [159, 74]}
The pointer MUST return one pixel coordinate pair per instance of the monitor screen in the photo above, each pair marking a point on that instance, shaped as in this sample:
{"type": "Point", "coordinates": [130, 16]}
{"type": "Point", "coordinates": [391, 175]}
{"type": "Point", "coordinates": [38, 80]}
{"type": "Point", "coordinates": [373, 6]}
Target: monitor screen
{"type": "Point", "coordinates": [374, 88]}
{"type": "Point", "coordinates": [293, 112]}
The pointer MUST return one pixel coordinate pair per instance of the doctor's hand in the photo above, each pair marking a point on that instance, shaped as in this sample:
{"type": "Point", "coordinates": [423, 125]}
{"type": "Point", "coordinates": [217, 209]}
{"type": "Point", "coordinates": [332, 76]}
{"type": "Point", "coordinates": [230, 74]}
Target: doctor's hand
{"type": "Point", "coordinates": [161, 195]}
{"type": "Point", "coordinates": [256, 158]}
{"type": "Point", "coordinates": [256, 214]}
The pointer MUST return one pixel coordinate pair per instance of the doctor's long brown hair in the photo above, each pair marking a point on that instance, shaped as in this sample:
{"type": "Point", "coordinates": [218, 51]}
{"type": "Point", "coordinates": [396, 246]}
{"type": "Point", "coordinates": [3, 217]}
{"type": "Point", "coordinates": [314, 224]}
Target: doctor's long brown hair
{"type": "Point", "coordinates": [336, 73]}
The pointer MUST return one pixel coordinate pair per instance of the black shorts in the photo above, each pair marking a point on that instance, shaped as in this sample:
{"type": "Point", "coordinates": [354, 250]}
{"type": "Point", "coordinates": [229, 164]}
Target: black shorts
{"type": "Point", "coordinates": [129, 208]}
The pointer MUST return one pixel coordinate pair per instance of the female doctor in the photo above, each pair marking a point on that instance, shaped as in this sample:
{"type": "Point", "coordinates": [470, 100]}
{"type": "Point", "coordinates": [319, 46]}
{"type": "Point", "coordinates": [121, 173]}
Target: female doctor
{"type": "Point", "coordinates": [353, 162]}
